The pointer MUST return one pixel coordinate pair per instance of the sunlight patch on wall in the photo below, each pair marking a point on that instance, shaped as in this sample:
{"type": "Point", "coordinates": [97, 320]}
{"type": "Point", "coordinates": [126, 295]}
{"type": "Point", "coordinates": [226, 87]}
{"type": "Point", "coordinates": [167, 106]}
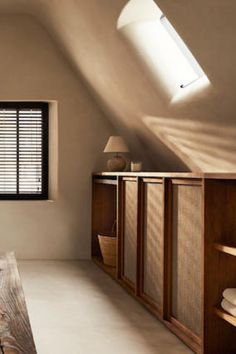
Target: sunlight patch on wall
{"type": "Point", "coordinates": [202, 146]}
{"type": "Point", "coordinates": [166, 58]}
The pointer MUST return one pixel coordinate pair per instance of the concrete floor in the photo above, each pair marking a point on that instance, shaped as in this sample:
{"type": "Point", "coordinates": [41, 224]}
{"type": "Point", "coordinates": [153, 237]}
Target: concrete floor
{"type": "Point", "coordinates": [75, 308]}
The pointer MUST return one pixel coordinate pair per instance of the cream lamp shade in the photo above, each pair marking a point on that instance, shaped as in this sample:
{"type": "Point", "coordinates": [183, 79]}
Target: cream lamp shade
{"type": "Point", "coordinates": [116, 144]}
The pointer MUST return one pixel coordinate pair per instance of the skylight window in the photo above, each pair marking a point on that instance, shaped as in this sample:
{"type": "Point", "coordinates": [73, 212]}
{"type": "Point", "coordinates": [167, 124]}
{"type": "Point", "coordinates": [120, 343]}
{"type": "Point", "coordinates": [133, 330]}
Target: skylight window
{"type": "Point", "coordinates": [164, 56]}
{"type": "Point", "coordinates": [185, 61]}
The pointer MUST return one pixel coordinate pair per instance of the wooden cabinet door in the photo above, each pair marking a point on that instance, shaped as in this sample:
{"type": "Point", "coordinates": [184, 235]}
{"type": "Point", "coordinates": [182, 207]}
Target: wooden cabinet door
{"type": "Point", "coordinates": [152, 243]}
{"type": "Point", "coordinates": [187, 255]}
{"type": "Point", "coordinates": [129, 231]}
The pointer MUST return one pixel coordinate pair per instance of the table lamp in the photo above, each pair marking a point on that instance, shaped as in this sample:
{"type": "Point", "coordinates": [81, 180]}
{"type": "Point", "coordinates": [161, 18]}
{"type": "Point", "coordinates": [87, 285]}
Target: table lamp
{"type": "Point", "coordinates": [116, 144]}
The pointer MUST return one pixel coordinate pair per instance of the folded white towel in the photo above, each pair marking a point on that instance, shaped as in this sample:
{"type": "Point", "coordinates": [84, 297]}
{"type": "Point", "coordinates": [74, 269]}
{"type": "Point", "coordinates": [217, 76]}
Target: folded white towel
{"type": "Point", "coordinates": [230, 295]}
{"type": "Point", "coordinates": [228, 307]}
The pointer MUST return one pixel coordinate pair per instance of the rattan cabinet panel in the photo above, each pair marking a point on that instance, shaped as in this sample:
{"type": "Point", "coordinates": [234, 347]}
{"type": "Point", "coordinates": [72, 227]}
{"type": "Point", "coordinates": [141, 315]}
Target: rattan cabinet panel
{"type": "Point", "coordinates": [130, 230]}
{"type": "Point", "coordinates": [153, 243]}
{"type": "Point", "coordinates": [187, 256]}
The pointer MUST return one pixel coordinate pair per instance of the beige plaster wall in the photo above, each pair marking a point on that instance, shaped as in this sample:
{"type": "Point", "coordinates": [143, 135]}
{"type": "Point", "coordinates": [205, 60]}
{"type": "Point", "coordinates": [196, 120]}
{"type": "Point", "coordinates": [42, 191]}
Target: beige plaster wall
{"type": "Point", "coordinates": [32, 68]}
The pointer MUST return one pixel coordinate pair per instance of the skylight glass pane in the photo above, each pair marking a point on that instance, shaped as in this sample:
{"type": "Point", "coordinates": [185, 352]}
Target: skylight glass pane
{"type": "Point", "coordinates": [185, 63]}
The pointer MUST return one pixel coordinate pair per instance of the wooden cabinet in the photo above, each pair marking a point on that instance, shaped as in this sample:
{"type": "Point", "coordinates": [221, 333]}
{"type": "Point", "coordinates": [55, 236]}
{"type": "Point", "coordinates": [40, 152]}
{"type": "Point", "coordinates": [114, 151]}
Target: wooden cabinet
{"type": "Point", "coordinates": [176, 247]}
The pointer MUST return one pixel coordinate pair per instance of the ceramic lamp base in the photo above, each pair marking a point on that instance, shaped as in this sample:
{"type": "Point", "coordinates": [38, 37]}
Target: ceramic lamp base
{"type": "Point", "coordinates": [116, 164]}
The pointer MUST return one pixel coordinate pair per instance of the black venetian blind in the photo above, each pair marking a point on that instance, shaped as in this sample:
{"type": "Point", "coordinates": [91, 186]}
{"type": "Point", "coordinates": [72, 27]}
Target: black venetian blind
{"type": "Point", "coordinates": [23, 150]}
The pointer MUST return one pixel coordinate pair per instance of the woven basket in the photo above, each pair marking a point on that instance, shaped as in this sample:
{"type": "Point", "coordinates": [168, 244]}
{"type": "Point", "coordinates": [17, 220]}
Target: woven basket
{"type": "Point", "coordinates": [108, 249]}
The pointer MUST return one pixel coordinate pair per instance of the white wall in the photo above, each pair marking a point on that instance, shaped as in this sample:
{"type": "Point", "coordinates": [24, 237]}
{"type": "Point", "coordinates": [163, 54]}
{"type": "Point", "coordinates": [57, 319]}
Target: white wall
{"type": "Point", "coordinates": [32, 68]}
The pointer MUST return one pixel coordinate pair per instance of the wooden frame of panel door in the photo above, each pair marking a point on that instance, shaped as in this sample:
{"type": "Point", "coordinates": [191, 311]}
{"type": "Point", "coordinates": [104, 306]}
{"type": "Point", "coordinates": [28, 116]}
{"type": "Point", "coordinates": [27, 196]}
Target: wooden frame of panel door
{"type": "Point", "coordinates": [190, 338]}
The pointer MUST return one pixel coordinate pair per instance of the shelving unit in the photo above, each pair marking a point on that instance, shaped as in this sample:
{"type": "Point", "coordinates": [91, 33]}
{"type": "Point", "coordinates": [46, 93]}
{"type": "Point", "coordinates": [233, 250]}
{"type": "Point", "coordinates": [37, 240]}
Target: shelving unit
{"type": "Point", "coordinates": [226, 249]}
{"type": "Point", "coordinates": [220, 270]}
{"type": "Point", "coordinates": [225, 316]}
{"type": "Point", "coordinates": [104, 214]}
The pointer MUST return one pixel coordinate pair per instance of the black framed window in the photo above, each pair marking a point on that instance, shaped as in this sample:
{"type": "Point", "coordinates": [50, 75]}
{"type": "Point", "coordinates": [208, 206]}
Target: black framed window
{"type": "Point", "coordinates": [23, 150]}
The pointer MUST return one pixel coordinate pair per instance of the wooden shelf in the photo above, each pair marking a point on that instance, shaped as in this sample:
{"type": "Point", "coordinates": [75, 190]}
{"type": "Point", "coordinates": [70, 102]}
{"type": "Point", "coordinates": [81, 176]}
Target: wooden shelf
{"type": "Point", "coordinates": [225, 316]}
{"type": "Point", "coordinates": [105, 181]}
{"type": "Point", "coordinates": [109, 270]}
{"type": "Point", "coordinates": [226, 249]}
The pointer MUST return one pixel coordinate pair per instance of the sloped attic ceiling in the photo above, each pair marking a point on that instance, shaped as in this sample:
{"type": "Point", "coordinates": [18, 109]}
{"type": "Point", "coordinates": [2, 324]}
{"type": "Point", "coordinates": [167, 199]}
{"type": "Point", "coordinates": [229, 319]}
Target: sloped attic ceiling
{"type": "Point", "coordinates": [197, 133]}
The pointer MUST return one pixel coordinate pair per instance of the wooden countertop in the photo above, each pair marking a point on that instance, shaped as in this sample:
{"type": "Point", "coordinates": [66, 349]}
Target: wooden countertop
{"type": "Point", "coordinates": [208, 175]}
